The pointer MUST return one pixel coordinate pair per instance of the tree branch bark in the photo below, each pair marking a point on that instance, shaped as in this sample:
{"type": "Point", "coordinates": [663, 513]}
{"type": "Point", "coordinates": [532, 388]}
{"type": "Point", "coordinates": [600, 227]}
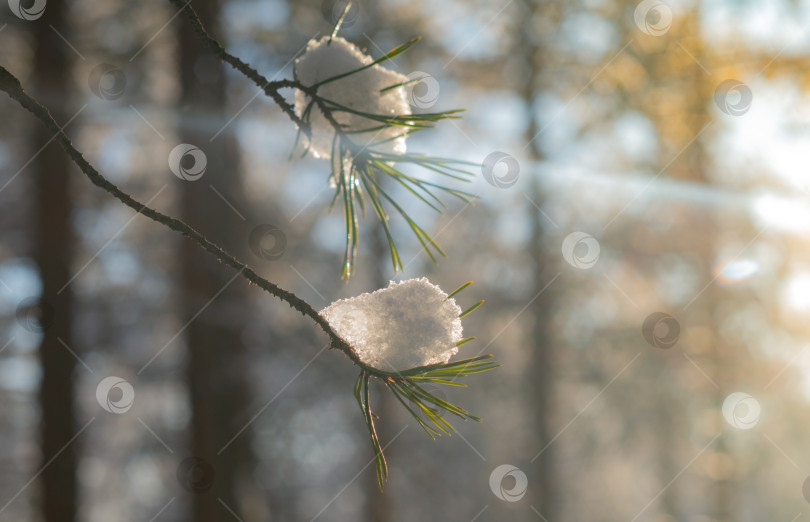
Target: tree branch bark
{"type": "Point", "coordinates": [11, 85]}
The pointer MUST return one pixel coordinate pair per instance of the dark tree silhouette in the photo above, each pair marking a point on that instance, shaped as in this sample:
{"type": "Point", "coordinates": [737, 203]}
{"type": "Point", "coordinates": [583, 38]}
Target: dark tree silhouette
{"type": "Point", "coordinates": [53, 251]}
{"type": "Point", "coordinates": [216, 353]}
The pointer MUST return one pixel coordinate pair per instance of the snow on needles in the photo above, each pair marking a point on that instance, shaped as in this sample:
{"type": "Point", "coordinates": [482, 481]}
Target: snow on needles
{"type": "Point", "coordinates": [360, 91]}
{"type": "Point", "coordinates": [406, 325]}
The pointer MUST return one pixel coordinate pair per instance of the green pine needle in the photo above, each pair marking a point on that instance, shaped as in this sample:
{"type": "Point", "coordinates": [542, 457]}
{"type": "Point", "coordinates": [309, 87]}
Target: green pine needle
{"type": "Point", "coordinates": [459, 289]}
{"type": "Point", "coordinates": [393, 53]}
{"type": "Point", "coordinates": [362, 396]}
{"type": "Point", "coordinates": [339, 22]}
{"type": "Point", "coordinates": [425, 407]}
{"type": "Point", "coordinates": [472, 308]}
{"type": "Point", "coordinates": [357, 171]}
{"type": "Point", "coordinates": [402, 84]}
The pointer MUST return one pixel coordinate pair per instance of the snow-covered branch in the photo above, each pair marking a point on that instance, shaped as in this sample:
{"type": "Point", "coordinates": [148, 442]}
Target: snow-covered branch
{"type": "Point", "coordinates": [362, 121]}
{"type": "Point", "coordinates": [403, 335]}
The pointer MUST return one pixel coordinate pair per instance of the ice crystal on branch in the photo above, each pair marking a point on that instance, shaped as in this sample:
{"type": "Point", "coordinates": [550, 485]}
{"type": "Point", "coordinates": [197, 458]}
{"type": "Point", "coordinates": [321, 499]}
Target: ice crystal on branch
{"type": "Point", "coordinates": [367, 91]}
{"type": "Point", "coordinates": [408, 324]}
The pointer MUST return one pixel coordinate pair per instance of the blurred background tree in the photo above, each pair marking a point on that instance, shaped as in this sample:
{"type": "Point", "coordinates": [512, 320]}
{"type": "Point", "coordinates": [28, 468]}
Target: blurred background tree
{"type": "Point", "coordinates": [624, 128]}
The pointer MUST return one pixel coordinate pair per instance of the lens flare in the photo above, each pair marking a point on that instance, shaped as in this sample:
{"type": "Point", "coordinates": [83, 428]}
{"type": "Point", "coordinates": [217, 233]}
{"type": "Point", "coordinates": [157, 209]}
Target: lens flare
{"type": "Point", "coordinates": [736, 271]}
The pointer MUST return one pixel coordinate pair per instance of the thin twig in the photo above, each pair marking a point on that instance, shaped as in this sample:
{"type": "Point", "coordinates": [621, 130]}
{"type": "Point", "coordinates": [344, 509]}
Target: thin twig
{"type": "Point", "coordinates": [270, 88]}
{"type": "Point", "coordinates": [11, 85]}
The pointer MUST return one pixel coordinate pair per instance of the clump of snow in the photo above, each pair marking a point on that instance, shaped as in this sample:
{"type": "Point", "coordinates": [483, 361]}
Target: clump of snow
{"type": "Point", "coordinates": [406, 325]}
{"type": "Point", "coordinates": [360, 91]}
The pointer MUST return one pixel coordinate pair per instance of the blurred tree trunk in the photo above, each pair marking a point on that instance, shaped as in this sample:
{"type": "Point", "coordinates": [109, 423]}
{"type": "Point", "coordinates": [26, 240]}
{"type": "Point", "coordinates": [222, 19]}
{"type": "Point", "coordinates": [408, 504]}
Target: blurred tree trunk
{"type": "Point", "coordinates": [379, 504]}
{"type": "Point", "coordinates": [217, 366]}
{"type": "Point", "coordinates": [683, 123]}
{"type": "Point", "coordinates": [723, 487]}
{"type": "Point", "coordinates": [542, 476]}
{"type": "Point", "coordinates": [53, 252]}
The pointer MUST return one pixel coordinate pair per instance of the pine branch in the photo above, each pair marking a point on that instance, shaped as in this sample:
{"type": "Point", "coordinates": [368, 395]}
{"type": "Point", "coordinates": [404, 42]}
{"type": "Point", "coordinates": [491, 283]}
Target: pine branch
{"type": "Point", "coordinates": [364, 161]}
{"type": "Point", "coordinates": [425, 407]}
{"type": "Point", "coordinates": [365, 164]}
{"type": "Point", "coordinates": [11, 85]}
